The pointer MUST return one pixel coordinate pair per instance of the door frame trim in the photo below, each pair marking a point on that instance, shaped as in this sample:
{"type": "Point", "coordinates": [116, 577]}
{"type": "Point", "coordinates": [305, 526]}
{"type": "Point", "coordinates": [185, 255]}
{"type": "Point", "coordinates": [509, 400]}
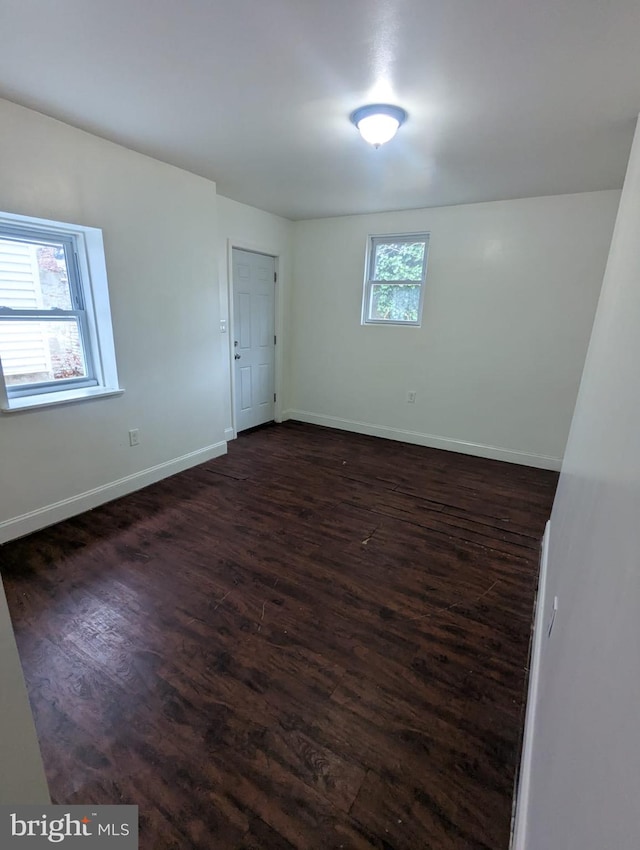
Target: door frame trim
{"type": "Point", "coordinates": [268, 251]}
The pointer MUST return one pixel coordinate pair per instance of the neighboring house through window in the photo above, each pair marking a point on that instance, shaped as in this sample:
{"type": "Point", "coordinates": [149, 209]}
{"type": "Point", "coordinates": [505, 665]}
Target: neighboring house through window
{"type": "Point", "coordinates": [395, 277]}
{"type": "Point", "coordinates": [56, 341]}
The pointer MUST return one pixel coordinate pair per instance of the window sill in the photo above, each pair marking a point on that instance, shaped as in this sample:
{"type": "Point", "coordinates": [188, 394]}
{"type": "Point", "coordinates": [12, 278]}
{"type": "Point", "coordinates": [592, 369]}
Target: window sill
{"type": "Point", "coordinates": [381, 322]}
{"type": "Point", "coordinates": [37, 402]}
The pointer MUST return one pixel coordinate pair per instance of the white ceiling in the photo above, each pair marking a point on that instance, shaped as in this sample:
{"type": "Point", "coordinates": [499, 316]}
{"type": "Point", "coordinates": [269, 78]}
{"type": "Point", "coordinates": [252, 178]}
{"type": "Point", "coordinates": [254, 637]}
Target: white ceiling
{"type": "Point", "coordinates": [506, 98]}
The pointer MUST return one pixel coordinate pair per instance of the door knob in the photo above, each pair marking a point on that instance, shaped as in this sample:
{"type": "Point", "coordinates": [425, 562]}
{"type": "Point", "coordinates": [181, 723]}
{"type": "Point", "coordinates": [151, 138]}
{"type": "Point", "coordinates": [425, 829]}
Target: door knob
{"type": "Point", "coordinates": [237, 356]}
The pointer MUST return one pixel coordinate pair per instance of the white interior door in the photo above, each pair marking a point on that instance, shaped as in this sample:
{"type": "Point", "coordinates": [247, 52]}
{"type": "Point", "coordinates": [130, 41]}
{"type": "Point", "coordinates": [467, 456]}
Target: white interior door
{"type": "Point", "coordinates": [254, 338]}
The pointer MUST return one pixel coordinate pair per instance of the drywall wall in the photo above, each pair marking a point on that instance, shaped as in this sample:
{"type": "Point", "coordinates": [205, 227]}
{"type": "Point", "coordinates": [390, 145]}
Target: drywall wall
{"type": "Point", "coordinates": [22, 778]}
{"type": "Point", "coordinates": [586, 751]}
{"type": "Point", "coordinates": [246, 227]}
{"type": "Point", "coordinates": [511, 293]}
{"type": "Point", "coordinates": [159, 227]}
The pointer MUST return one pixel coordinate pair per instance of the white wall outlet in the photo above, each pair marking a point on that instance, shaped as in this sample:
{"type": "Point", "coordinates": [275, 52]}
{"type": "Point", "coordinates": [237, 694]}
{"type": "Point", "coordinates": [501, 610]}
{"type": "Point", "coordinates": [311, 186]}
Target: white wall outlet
{"type": "Point", "coordinates": [223, 326]}
{"type": "Point", "coordinates": [134, 437]}
{"type": "Point", "coordinates": [411, 397]}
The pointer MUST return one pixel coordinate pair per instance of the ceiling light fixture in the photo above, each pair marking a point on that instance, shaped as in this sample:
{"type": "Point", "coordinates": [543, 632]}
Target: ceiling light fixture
{"type": "Point", "coordinates": [379, 122]}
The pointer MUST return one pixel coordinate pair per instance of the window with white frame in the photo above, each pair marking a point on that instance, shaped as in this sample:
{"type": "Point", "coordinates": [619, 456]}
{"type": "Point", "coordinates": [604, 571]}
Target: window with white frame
{"type": "Point", "coordinates": [395, 276]}
{"type": "Point", "coordinates": [56, 341]}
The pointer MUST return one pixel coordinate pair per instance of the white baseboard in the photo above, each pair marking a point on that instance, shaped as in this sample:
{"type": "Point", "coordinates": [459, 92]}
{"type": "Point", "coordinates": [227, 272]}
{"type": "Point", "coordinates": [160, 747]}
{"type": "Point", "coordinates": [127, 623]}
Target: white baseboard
{"type": "Point", "coordinates": [56, 512]}
{"type": "Point", "coordinates": [523, 789]}
{"type": "Point", "coordinates": [430, 440]}
{"type": "Point", "coordinates": [229, 434]}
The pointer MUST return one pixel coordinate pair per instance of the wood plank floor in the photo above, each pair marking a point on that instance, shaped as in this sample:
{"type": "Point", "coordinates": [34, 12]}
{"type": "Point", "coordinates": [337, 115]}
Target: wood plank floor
{"type": "Point", "coordinates": [317, 641]}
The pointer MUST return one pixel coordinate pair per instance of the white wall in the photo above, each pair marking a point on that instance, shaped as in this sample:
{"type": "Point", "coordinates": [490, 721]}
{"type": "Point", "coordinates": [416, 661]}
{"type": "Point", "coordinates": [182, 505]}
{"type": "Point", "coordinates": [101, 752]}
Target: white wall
{"type": "Point", "coordinates": [586, 750]}
{"type": "Point", "coordinates": [511, 292]}
{"type": "Point", "coordinates": [246, 227]}
{"type": "Point", "coordinates": [159, 226]}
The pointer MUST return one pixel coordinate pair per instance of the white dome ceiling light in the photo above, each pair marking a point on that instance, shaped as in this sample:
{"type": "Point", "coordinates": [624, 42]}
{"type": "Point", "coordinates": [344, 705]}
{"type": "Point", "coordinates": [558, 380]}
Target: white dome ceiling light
{"type": "Point", "coordinates": [379, 122]}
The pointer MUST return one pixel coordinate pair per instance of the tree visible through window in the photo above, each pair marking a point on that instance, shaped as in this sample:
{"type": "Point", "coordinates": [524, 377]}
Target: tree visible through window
{"type": "Point", "coordinates": [34, 285]}
{"type": "Point", "coordinates": [55, 324]}
{"type": "Point", "coordinates": [395, 278]}
{"type": "Point", "coordinates": [41, 313]}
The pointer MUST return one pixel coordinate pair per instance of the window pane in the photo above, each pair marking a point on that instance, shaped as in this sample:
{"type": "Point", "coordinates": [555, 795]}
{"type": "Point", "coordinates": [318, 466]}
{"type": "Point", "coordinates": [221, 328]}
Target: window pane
{"type": "Point", "coordinates": [395, 302]}
{"type": "Point", "coordinates": [37, 351]}
{"type": "Point", "coordinates": [33, 276]}
{"type": "Point", "coordinates": [399, 261]}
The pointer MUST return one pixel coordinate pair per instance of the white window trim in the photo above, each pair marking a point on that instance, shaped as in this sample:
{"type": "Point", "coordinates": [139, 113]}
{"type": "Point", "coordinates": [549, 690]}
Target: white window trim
{"type": "Point", "coordinates": [52, 399]}
{"type": "Point", "coordinates": [372, 241]}
{"type": "Point", "coordinates": [93, 278]}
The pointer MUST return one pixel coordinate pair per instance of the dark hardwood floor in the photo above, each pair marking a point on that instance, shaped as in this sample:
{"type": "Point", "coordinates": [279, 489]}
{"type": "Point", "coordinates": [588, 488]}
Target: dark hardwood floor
{"type": "Point", "coordinates": [317, 641]}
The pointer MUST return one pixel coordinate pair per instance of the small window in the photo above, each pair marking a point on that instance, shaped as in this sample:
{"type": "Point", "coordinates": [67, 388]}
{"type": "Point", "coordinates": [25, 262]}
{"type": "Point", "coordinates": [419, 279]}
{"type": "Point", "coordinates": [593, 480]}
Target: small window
{"type": "Point", "coordinates": [54, 335]}
{"type": "Point", "coordinates": [394, 285]}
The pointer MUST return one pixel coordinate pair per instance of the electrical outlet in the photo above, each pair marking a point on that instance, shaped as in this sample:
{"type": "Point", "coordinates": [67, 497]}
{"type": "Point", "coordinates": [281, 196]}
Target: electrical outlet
{"type": "Point", "coordinates": [134, 437]}
{"type": "Point", "coordinates": [411, 397]}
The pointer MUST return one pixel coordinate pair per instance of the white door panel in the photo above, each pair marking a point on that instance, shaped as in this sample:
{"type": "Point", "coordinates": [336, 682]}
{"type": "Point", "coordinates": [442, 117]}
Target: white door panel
{"type": "Point", "coordinates": [264, 384]}
{"type": "Point", "coordinates": [245, 388]}
{"type": "Point", "coordinates": [243, 320]}
{"type": "Point", "coordinates": [265, 321]}
{"type": "Point", "coordinates": [254, 341]}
